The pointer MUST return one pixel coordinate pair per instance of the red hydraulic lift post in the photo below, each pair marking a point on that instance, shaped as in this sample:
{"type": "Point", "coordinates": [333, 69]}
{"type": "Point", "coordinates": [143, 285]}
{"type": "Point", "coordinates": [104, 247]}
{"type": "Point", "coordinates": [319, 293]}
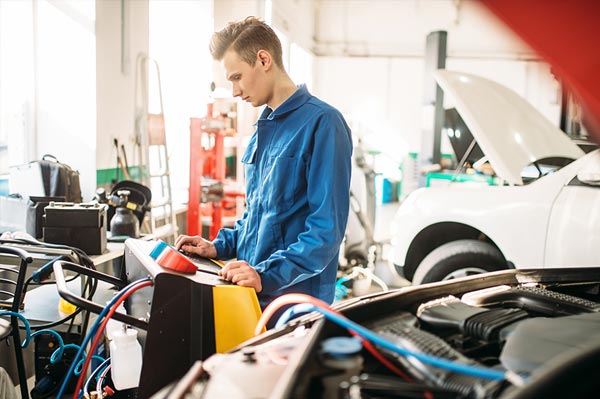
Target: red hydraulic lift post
{"type": "Point", "coordinates": [215, 129]}
{"type": "Point", "coordinates": [219, 174]}
{"type": "Point", "coordinates": [194, 225]}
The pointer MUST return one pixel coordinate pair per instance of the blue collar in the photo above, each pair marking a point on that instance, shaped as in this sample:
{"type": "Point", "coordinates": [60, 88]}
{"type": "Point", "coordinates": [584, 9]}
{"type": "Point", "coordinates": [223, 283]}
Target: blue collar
{"type": "Point", "coordinates": [296, 100]}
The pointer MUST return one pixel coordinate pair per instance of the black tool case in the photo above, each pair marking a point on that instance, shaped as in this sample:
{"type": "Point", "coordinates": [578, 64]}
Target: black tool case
{"type": "Point", "coordinates": [78, 225]}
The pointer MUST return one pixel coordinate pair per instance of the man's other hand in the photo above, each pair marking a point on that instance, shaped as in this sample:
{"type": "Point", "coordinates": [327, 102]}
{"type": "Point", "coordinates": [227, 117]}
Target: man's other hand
{"type": "Point", "coordinates": [196, 245]}
{"type": "Point", "coordinates": [241, 273]}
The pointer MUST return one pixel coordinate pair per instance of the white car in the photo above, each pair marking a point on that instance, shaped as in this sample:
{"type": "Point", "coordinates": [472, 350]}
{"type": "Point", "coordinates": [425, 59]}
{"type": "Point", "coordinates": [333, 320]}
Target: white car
{"type": "Point", "coordinates": [551, 219]}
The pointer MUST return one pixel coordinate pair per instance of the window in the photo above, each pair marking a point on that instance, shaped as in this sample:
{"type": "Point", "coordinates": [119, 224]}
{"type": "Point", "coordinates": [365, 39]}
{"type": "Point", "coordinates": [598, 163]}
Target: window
{"type": "Point", "coordinates": [47, 84]}
{"type": "Point", "coordinates": [16, 81]}
{"type": "Point", "coordinates": [186, 74]}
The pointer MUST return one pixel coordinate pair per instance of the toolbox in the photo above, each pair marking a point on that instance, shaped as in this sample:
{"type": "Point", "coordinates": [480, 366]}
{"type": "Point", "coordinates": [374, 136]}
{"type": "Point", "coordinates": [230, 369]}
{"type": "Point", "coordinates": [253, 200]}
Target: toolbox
{"type": "Point", "coordinates": [78, 225]}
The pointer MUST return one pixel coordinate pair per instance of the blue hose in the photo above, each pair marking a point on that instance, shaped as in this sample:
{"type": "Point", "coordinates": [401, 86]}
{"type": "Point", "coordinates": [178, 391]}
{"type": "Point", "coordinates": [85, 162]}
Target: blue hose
{"type": "Point", "coordinates": [474, 371]}
{"type": "Point", "coordinates": [57, 354]}
{"type": "Point", "coordinates": [92, 332]}
{"type": "Point", "coordinates": [25, 323]}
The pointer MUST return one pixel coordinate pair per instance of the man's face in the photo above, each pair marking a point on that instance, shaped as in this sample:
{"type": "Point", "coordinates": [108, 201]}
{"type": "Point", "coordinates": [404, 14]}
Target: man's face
{"type": "Point", "coordinates": [249, 81]}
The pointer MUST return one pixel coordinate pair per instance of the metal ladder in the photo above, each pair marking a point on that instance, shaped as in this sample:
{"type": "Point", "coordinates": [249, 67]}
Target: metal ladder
{"type": "Point", "coordinates": [153, 156]}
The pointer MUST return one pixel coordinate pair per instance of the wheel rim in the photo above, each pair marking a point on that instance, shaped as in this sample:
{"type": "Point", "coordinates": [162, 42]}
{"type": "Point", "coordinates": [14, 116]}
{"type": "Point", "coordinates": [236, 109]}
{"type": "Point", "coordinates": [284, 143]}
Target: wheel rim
{"type": "Point", "coordinates": [464, 272]}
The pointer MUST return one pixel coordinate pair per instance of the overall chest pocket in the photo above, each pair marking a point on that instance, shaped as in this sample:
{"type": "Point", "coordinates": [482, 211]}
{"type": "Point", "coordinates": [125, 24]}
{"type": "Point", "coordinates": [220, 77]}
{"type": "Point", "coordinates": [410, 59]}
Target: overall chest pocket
{"type": "Point", "coordinates": [283, 180]}
{"type": "Point", "coordinates": [251, 171]}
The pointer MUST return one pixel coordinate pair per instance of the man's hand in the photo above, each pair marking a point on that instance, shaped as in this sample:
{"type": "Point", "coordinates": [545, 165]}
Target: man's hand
{"type": "Point", "coordinates": [196, 245]}
{"type": "Point", "coordinates": [241, 273]}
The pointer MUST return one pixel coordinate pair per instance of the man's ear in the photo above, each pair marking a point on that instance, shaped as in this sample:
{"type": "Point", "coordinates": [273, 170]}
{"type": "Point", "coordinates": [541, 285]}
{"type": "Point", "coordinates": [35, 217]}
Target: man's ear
{"type": "Point", "coordinates": [265, 59]}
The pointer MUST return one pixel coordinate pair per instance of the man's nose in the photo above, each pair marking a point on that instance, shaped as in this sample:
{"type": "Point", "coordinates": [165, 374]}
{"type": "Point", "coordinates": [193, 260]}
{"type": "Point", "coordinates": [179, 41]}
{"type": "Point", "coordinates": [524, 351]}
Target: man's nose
{"type": "Point", "coordinates": [236, 90]}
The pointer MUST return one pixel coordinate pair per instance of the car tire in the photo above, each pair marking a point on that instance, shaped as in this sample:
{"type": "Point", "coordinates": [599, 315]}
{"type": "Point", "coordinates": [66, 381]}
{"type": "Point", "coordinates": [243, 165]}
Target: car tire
{"type": "Point", "coordinates": [459, 258]}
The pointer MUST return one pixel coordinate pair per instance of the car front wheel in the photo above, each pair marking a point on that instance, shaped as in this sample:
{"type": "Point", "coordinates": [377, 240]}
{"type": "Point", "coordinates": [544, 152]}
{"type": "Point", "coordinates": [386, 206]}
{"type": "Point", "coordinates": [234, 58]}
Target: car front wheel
{"type": "Point", "coordinates": [459, 258]}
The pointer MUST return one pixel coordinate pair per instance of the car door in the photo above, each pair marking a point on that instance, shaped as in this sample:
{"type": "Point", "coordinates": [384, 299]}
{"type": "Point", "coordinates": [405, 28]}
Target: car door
{"type": "Point", "coordinates": [573, 237]}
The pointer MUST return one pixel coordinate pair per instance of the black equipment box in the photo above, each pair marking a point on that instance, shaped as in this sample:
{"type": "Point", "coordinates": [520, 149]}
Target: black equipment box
{"type": "Point", "coordinates": [48, 375]}
{"type": "Point", "coordinates": [34, 222]}
{"type": "Point", "coordinates": [78, 225]}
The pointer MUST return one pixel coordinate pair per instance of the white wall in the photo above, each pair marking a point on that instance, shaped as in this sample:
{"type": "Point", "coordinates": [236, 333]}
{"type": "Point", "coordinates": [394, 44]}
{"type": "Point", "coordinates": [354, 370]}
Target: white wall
{"type": "Point", "coordinates": [372, 63]}
{"type": "Point", "coordinates": [226, 11]}
{"type": "Point", "coordinates": [17, 84]}
{"type": "Point", "coordinates": [115, 77]}
{"type": "Point", "coordinates": [66, 90]}
{"type": "Point", "coordinates": [296, 19]}
{"type": "Point", "coordinates": [186, 74]}
{"type": "Point", "coordinates": [399, 27]}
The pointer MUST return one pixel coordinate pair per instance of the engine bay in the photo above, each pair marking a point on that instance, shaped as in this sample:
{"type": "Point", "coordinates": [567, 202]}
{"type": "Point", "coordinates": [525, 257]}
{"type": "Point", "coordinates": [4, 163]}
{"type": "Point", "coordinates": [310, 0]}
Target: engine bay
{"type": "Point", "coordinates": [526, 331]}
{"type": "Point", "coordinates": [518, 329]}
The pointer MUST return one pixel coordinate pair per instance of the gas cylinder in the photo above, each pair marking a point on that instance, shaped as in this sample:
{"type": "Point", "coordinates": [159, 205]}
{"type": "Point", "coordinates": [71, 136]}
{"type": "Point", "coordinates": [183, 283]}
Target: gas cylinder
{"type": "Point", "coordinates": [124, 222]}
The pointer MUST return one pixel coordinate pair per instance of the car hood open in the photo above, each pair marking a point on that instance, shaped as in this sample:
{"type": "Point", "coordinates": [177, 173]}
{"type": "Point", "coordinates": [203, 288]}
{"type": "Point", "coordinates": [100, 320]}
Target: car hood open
{"type": "Point", "coordinates": [509, 130]}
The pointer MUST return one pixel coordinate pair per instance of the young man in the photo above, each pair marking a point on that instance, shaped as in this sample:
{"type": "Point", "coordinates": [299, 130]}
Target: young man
{"type": "Point", "coordinates": [297, 165]}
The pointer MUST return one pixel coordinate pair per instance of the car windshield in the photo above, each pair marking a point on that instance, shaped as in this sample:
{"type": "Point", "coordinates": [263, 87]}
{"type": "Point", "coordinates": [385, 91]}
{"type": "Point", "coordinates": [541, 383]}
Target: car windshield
{"type": "Point", "coordinates": [543, 167]}
{"type": "Point", "coordinates": [474, 161]}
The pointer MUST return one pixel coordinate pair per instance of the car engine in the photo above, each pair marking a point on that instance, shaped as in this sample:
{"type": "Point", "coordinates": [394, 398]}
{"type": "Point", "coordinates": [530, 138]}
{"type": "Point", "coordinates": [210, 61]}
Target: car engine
{"type": "Point", "coordinates": [543, 333]}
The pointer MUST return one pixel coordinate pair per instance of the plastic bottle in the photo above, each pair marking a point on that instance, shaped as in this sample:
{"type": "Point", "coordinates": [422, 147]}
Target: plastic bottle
{"type": "Point", "coordinates": [114, 325]}
{"type": "Point", "coordinates": [126, 359]}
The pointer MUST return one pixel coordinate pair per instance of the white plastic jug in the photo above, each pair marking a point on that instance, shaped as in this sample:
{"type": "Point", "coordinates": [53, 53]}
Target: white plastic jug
{"type": "Point", "coordinates": [126, 359]}
{"type": "Point", "coordinates": [114, 325]}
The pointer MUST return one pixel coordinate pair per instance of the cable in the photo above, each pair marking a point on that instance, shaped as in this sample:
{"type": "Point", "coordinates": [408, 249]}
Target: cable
{"type": "Point", "coordinates": [289, 299]}
{"type": "Point", "coordinates": [83, 257]}
{"type": "Point", "coordinates": [80, 363]}
{"type": "Point", "coordinates": [369, 273]}
{"type": "Point", "coordinates": [112, 307]}
{"type": "Point", "coordinates": [77, 371]}
{"type": "Point", "coordinates": [92, 330]}
{"type": "Point", "coordinates": [101, 378]}
{"type": "Point", "coordinates": [474, 371]}
{"type": "Point", "coordinates": [96, 371]}
{"type": "Point", "coordinates": [375, 338]}
{"type": "Point", "coordinates": [289, 313]}
{"type": "Point", "coordinates": [72, 346]}
{"type": "Point", "coordinates": [99, 331]}
{"type": "Point", "coordinates": [293, 312]}
{"type": "Point", "coordinates": [56, 322]}
{"type": "Point", "coordinates": [25, 323]}
{"type": "Point", "coordinates": [68, 317]}
{"type": "Point", "coordinates": [340, 289]}
{"type": "Point", "coordinates": [57, 354]}
{"type": "Point", "coordinates": [304, 299]}
{"type": "Point", "coordinates": [45, 270]}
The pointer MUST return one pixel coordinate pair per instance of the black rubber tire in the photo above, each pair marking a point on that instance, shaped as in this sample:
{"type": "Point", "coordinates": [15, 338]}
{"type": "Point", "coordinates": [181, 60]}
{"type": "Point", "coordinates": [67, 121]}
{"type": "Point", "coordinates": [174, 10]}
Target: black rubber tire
{"type": "Point", "coordinates": [459, 257]}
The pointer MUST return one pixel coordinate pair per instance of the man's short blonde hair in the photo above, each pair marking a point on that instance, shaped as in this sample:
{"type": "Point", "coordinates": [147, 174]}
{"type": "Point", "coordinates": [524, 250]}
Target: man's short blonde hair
{"type": "Point", "coordinates": [246, 38]}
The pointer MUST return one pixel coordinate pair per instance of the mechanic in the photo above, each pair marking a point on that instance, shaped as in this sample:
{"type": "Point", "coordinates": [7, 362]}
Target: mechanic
{"type": "Point", "coordinates": [297, 164]}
